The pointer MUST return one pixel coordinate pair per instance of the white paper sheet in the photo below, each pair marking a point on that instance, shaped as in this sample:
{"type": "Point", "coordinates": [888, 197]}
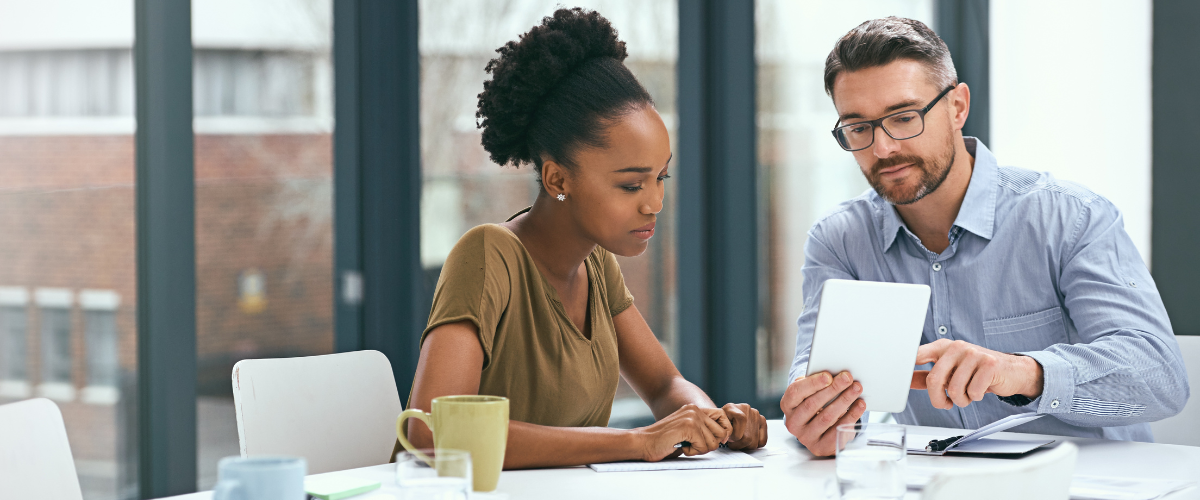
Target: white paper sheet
{"type": "Point", "coordinates": [722, 458]}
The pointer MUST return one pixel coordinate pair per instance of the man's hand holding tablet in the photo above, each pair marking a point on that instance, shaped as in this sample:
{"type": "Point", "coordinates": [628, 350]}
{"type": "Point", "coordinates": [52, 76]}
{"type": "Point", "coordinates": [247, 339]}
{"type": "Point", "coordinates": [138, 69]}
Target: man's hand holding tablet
{"type": "Point", "coordinates": [963, 372]}
{"type": "Point", "coordinates": [808, 417]}
{"type": "Point", "coordinates": [867, 328]}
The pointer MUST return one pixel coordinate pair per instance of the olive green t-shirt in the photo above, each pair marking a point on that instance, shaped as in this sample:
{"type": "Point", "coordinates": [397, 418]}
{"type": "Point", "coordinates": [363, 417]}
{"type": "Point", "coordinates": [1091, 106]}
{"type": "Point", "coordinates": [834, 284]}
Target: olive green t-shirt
{"type": "Point", "coordinates": [532, 353]}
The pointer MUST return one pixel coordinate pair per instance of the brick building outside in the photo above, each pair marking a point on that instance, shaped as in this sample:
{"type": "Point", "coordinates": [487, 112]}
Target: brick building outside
{"type": "Point", "coordinates": [68, 226]}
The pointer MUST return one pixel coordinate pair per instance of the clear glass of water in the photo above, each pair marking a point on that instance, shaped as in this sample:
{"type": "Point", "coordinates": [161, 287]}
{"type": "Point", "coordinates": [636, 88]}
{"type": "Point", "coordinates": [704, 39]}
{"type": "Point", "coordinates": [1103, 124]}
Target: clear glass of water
{"type": "Point", "coordinates": [871, 460]}
{"type": "Point", "coordinates": [440, 474]}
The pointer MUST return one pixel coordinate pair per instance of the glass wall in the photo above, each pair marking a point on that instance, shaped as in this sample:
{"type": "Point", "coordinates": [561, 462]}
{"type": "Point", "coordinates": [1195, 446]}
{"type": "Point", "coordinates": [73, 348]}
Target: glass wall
{"type": "Point", "coordinates": [264, 233]}
{"type": "Point", "coordinates": [463, 188]}
{"type": "Point", "coordinates": [802, 170]}
{"type": "Point", "coordinates": [68, 280]}
{"type": "Point", "coordinates": [1101, 85]}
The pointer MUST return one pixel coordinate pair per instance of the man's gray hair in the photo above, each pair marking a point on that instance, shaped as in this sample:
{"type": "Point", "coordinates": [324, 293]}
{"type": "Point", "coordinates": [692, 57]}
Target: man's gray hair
{"type": "Point", "coordinates": [880, 41]}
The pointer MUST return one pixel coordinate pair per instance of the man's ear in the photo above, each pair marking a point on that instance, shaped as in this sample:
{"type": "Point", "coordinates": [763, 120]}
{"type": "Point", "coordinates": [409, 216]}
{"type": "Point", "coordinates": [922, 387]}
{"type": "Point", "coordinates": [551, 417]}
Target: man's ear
{"type": "Point", "coordinates": [554, 177]}
{"type": "Point", "coordinates": [960, 106]}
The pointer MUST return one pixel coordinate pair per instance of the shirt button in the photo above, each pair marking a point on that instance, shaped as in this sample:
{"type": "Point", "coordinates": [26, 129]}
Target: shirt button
{"type": "Point", "coordinates": [937, 266]}
{"type": "Point", "coordinates": [1133, 284]}
{"type": "Point", "coordinates": [1054, 404]}
{"type": "Point", "coordinates": [942, 330]}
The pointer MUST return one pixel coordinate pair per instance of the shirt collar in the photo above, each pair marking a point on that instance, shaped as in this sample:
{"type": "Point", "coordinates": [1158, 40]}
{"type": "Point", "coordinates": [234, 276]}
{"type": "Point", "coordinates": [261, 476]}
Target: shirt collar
{"type": "Point", "coordinates": [889, 221]}
{"type": "Point", "coordinates": [978, 211]}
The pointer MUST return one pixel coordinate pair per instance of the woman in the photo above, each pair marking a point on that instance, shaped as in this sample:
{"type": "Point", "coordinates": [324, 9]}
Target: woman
{"type": "Point", "coordinates": [535, 309]}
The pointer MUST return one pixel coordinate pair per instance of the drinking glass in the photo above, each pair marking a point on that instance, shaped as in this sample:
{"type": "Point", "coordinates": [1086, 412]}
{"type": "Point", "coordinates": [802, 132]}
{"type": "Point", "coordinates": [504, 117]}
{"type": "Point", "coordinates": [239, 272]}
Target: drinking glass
{"type": "Point", "coordinates": [871, 460]}
{"type": "Point", "coordinates": [440, 474]}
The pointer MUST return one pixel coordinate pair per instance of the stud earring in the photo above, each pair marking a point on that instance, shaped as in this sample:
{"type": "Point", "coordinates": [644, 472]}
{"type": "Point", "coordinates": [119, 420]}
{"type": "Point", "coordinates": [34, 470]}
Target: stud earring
{"type": "Point", "coordinates": [562, 197]}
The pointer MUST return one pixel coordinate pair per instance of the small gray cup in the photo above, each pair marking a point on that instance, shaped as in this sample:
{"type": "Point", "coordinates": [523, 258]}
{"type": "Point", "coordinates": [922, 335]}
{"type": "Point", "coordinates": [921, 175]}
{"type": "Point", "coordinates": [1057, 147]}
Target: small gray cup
{"type": "Point", "coordinates": [260, 478]}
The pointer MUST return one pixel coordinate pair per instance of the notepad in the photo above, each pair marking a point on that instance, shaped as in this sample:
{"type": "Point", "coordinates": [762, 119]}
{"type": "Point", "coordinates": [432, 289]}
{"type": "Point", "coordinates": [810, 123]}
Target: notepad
{"type": "Point", "coordinates": [976, 442]}
{"type": "Point", "coordinates": [722, 458]}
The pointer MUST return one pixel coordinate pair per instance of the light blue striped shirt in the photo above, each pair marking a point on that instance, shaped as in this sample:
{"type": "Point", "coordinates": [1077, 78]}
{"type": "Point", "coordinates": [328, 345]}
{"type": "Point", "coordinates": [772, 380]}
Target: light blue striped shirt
{"type": "Point", "coordinates": [1035, 266]}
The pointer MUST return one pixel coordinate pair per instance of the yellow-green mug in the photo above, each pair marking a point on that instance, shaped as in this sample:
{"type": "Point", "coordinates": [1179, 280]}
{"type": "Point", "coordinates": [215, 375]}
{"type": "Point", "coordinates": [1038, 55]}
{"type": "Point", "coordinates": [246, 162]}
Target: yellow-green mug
{"type": "Point", "coordinates": [476, 424]}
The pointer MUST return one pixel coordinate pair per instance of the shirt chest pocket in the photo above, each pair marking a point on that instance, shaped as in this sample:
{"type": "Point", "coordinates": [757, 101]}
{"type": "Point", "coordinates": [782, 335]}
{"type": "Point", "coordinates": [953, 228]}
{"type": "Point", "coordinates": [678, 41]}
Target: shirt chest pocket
{"type": "Point", "coordinates": [1027, 332]}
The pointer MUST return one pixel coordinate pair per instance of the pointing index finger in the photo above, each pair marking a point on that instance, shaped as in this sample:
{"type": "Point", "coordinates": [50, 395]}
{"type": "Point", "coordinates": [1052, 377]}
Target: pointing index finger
{"type": "Point", "coordinates": [931, 352]}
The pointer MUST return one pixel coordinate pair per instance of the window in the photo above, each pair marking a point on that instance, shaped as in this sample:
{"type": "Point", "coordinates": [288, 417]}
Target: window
{"type": "Point", "coordinates": [463, 189]}
{"type": "Point", "coordinates": [100, 338]}
{"type": "Point", "coordinates": [802, 170]}
{"type": "Point", "coordinates": [70, 82]}
{"type": "Point", "coordinates": [54, 314]}
{"type": "Point", "coordinates": [14, 325]}
{"type": "Point", "coordinates": [254, 82]}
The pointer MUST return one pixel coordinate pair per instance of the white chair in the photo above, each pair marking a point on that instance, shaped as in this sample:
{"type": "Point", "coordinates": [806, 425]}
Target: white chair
{"type": "Point", "coordinates": [1184, 428]}
{"type": "Point", "coordinates": [338, 411]}
{"type": "Point", "coordinates": [1046, 475]}
{"type": "Point", "coordinates": [35, 457]}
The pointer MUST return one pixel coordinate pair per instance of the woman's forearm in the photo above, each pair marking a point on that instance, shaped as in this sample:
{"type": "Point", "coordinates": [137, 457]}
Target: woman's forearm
{"type": "Point", "coordinates": [673, 395]}
{"type": "Point", "coordinates": [532, 446]}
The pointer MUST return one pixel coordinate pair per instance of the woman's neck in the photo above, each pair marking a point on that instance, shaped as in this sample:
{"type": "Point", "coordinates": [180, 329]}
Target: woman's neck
{"type": "Point", "coordinates": [552, 238]}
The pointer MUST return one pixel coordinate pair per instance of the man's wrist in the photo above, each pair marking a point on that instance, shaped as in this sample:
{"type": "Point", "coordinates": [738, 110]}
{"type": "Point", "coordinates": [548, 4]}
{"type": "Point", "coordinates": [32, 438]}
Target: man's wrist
{"type": "Point", "coordinates": [1033, 375]}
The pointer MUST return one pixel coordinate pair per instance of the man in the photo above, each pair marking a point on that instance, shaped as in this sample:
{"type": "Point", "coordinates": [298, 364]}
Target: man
{"type": "Point", "coordinates": [1040, 301]}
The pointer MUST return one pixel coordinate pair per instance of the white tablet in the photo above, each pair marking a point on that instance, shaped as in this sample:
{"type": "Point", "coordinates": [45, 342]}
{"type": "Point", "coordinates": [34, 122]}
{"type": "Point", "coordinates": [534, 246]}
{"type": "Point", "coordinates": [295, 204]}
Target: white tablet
{"type": "Point", "coordinates": [872, 330]}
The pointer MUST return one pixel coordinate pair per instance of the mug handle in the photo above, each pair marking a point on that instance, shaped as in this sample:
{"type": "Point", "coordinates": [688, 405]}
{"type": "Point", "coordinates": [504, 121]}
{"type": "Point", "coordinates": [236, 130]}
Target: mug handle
{"type": "Point", "coordinates": [402, 433]}
{"type": "Point", "coordinates": [224, 490]}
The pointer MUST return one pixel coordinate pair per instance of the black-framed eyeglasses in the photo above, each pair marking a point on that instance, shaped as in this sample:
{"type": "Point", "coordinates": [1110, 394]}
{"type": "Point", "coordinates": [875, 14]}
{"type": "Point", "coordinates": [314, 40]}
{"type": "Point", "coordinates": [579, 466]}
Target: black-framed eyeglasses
{"type": "Point", "coordinates": [900, 125]}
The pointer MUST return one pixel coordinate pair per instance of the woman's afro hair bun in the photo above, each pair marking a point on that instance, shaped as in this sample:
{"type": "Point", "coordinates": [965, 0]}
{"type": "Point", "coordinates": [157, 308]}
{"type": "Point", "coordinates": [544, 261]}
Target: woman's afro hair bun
{"type": "Point", "coordinates": [528, 69]}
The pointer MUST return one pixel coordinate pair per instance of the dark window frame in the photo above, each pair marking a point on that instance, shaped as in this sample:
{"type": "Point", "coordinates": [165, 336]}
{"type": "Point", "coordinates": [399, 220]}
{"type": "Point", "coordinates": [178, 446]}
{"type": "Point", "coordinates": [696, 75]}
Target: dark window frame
{"type": "Point", "coordinates": [166, 249]}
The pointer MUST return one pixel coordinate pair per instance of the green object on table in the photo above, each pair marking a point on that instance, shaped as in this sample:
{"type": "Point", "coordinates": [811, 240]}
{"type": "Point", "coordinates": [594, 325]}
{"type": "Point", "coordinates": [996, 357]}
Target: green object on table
{"type": "Point", "coordinates": [337, 488]}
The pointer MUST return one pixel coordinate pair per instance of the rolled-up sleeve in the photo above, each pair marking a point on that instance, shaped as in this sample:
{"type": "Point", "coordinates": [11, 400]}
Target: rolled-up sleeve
{"type": "Point", "coordinates": [820, 264]}
{"type": "Point", "coordinates": [1126, 366]}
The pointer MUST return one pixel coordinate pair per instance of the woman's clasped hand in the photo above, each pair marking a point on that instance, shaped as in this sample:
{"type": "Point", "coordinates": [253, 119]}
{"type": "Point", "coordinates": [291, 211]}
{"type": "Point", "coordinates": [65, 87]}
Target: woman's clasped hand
{"type": "Point", "coordinates": [749, 427]}
{"type": "Point", "coordinates": [701, 430]}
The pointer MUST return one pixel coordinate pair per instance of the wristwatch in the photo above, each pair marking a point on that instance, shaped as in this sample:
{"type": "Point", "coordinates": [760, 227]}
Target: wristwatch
{"type": "Point", "coordinates": [1016, 400]}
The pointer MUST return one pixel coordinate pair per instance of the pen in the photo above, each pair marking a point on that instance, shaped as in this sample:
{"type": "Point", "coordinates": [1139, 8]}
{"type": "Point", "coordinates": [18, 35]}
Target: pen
{"type": "Point", "coordinates": [684, 444]}
{"type": "Point", "coordinates": [941, 444]}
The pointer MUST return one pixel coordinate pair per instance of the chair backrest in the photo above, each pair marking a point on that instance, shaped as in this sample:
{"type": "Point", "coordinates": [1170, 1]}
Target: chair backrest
{"type": "Point", "coordinates": [1184, 428]}
{"type": "Point", "coordinates": [1046, 475]}
{"type": "Point", "coordinates": [338, 411]}
{"type": "Point", "coordinates": [35, 457]}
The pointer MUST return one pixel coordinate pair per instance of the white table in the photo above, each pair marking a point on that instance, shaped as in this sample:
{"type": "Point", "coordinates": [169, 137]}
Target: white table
{"type": "Point", "coordinates": [796, 473]}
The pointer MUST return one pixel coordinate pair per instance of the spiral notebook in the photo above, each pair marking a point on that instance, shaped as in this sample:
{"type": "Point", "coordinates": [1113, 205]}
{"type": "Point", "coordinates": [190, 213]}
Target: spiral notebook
{"type": "Point", "coordinates": [722, 458]}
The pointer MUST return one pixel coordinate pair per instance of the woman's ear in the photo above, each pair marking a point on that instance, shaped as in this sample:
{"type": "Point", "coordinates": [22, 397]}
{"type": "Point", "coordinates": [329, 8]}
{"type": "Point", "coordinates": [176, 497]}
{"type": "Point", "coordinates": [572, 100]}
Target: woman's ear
{"type": "Point", "coordinates": [554, 178]}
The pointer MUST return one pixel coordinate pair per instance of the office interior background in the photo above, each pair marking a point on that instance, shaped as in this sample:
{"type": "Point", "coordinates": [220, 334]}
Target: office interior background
{"type": "Point", "coordinates": [300, 197]}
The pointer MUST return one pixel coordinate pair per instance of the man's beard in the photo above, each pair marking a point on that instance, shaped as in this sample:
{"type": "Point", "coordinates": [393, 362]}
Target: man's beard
{"type": "Point", "coordinates": [932, 176]}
